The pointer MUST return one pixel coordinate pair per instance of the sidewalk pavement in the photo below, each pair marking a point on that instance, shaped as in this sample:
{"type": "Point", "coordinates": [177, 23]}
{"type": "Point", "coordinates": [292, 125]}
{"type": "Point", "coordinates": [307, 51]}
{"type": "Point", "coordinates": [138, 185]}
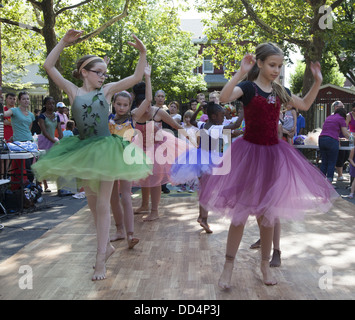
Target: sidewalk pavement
{"type": "Point", "coordinates": [20, 229]}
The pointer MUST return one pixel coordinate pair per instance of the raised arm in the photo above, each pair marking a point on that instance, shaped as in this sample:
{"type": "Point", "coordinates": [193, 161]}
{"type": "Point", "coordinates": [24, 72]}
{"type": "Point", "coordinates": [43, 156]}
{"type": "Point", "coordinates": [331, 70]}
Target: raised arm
{"type": "Point", "coordinates": [111, 88]}
{"type": "Point", "coordinates": [230, 91]}
{"type": "Point", "coordinates": [306, 102]}
{"type": "Point", "coordinates": [193, 117]}
{"type": "Point", "coordinates": [138, 112]}
{"type": "Point", "coordinates": [49, 65]}
{"type": "Point", "coordinates": [236, 124]}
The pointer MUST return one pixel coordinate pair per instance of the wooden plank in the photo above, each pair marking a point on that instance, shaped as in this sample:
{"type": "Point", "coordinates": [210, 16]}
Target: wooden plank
{"type": "Point", "coordinates": [176, 260]}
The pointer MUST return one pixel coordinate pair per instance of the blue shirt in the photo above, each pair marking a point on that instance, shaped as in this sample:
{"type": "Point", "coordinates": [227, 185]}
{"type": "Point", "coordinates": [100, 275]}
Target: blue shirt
{"type": "Point", "coordinates": [21, 125]}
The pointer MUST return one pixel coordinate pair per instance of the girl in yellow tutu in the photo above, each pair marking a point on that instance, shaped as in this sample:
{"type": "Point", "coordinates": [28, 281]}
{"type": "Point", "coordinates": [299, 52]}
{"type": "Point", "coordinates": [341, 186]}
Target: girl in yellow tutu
{"type": "Point", "coordinates": [122, 125]}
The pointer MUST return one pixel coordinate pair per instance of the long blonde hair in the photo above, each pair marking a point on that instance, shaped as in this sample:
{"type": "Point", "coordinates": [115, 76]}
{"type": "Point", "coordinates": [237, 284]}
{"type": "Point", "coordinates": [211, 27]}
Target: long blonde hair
{"type": "Point", "coordinates": [262, 52]}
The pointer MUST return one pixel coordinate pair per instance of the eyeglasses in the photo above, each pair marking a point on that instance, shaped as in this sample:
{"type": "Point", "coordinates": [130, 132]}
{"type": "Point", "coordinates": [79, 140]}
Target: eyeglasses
{"type": "Point", "coordinates": [100, 74]}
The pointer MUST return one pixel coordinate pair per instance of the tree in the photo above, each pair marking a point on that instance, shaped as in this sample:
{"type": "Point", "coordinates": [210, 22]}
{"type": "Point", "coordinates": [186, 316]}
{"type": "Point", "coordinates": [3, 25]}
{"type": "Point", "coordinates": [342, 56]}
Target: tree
{"type": "Point", "coordinates": [342, 42]}
{"type": "Point", "coordinates": [170, 52]}
{"type": "Point", "coordinates": [305, 24]}
{"type": "Point", "coordinates": [44, 16]}
{"type": "Point", "coordinates": [330, 70]}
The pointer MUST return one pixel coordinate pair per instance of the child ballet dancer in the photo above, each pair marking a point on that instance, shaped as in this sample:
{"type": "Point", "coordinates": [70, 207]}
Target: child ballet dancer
{"type": "Point", "coordinates": [162, 147]}
{"type": "Point", "coordinates": [194, 137]}
{"type": "Point", "coordinates": [95, 157]}
{"type": "Point", "coordinates": [264, 166]}
{"type": "Point", "coordinates": [196, 163]}
{"type": "Point", "coordinates": [122, 125]}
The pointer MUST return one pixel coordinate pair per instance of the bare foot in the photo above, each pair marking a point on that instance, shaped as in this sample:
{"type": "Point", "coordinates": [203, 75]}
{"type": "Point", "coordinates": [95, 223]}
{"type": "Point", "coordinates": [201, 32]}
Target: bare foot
{"type": "Point", "coordinates": [256, 245]}
{"type": "Point", "coordinates": [119, 235]}
{"type": "Point", "coordinates": [100, 267]}
{"type": "Point", "coordinates": [276, 259]}
{"type": "Point", "coordinates": [205, 225]}
{"type": "Point", "coordinates": [132, 241]}
{"type": "Point", "coordinates": [226, 276]}
{"type": "Point", "coordinates": [141, 209]}
{"type": "Point", "coordinates": [153, 215]}
{"type": "Point", "coordinates": [268, 279]}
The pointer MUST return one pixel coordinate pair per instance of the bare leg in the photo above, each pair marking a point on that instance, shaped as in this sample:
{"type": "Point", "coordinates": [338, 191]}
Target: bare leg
{"type": "Point", "coordinates": [202, 219]}
{"type": "Point", "coordinates": [155, 194]}
{"type": "Point", "coordinates": [128, 212]}
{"type": "Point", "coordinates": [117, 213]}
{"type": "Point", "coordinates": [276, 256]}
{"type": "Point", "coordinates": [235, 235]}
{"type": "Point", "coordinates": [266, 236]}
{"type": "Point", "coordinates": [145, 201]}
{"type": "Point", "coordinates": [100, 206]}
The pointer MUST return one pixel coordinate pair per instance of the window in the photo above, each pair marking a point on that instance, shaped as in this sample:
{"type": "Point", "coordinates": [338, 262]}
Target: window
{"type": "Point", "coordinates": [207, 65]}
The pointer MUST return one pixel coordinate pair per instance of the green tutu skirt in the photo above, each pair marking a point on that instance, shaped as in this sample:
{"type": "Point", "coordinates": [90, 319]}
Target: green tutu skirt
{"type": "Point", "coordinates": [90, 161]}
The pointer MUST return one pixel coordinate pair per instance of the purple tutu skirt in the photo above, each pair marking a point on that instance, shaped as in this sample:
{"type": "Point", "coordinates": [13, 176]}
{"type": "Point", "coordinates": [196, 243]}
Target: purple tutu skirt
{"type": "Point", "coordinates": [44, 143]}
{"type": "Point", "coordinates": [192, 165]}
{"type": "Point", "coordinates": [276, 182]}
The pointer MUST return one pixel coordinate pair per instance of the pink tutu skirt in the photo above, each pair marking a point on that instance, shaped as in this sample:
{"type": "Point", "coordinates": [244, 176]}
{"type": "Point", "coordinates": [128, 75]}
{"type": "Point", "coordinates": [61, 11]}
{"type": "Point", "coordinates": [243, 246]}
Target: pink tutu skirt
{"type": "Point", "coordinates": [275, 181]}
{"type": "Point", "coordinates": [162, 151]}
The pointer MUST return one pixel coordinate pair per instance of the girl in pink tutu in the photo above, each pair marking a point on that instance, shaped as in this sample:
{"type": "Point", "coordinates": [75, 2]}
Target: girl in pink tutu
{"type": "Point", "coordinates": [269, 179]}
{"type": "Point", "coordinates": [162, 147]}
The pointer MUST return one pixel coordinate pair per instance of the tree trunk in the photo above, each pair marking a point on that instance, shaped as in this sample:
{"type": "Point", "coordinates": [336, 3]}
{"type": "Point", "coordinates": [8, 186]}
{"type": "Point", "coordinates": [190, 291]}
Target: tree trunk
{"type": "Point", "coordinates": [311, 54]}
{"type": "Point", "coordinates": [51, 41]}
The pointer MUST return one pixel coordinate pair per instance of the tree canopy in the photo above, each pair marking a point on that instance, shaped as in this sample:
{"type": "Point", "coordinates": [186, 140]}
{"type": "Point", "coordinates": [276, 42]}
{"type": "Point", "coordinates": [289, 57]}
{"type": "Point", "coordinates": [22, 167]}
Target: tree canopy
{"type": "Point", "coordinates": [314, 26]}
{"type": "Point", "coordinates": [32, 28]}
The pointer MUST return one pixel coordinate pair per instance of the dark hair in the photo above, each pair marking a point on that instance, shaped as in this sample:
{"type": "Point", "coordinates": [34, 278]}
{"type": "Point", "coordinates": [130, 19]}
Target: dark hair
{"type": "Point", "coordinates": [213, 108]}
{"type": "Point", "coordinates": [46, 99]}
{"type": "Point", "coordinates": [10, 94]}
{"type": "Point", "coordinates": [139, 93]}
{"type": "Point", "coordinates": [341, 112]}
{"type": "Point", "coordinates": [353, 105]}
{"type": "Point", "coordinates": [193, 100]}
{"type": "Point", "coordinates": [22, 93]}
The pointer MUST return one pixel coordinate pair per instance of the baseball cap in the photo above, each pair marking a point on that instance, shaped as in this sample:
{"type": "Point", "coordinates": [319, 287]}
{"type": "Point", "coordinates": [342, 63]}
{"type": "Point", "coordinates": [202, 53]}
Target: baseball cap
{"type": "Point", "coordinates": [60, 105]}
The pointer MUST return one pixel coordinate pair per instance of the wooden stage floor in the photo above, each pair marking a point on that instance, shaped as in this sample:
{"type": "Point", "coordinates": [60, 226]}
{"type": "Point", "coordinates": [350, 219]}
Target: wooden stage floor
{"type": "Point", "coordinates": [176, 260]}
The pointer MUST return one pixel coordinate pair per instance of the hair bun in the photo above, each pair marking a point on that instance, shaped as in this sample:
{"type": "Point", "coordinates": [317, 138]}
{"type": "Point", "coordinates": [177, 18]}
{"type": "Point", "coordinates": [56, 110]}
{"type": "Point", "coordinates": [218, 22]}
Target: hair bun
{"type": "Point", "coordinates": [75, 74]}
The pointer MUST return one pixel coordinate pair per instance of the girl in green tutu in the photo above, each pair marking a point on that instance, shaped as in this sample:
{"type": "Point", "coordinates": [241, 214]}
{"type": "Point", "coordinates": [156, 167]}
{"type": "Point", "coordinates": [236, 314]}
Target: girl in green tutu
{"type": "Point", "coordinates": [95, 157]}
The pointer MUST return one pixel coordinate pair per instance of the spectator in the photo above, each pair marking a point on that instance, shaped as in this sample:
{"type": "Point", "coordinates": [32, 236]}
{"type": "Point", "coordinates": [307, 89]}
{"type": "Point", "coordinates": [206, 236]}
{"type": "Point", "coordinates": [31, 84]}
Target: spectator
{"type": "Point", "coordinates": [62, 115]}
{"type": "Point", "coordinates": [329, 141]}
{"type": "Point", "coordinates": [10, 102]}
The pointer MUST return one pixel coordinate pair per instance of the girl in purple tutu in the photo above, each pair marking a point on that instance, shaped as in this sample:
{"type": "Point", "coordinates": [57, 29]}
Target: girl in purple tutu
{"type": "Point", "coordinates": [195, 163]}
{"type": "Point", "coordinates": [48, 121]}
{"type": "Point", "coordinates": [269, 178]}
